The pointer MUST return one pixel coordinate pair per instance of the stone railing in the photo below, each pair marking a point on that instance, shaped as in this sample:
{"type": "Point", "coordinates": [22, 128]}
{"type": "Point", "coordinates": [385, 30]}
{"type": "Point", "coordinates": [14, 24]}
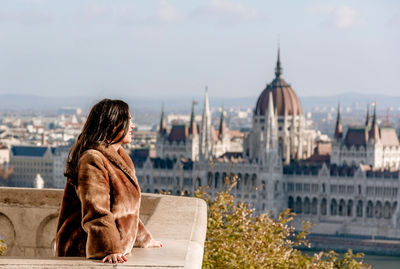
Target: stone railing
{"type": "Point", "coordinates": [28, 219]}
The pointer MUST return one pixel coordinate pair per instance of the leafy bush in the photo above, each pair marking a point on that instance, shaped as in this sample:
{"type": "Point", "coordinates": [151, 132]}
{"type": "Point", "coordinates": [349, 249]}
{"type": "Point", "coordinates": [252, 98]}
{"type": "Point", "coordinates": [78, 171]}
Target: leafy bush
{"type": "Point", "coordinates": [2, 247]}
{"type": "Point", "coordinates": [238, 238]}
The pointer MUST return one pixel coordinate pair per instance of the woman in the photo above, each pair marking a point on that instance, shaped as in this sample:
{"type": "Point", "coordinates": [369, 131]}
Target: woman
{"type": "Point", "coordinates": [99, 215]}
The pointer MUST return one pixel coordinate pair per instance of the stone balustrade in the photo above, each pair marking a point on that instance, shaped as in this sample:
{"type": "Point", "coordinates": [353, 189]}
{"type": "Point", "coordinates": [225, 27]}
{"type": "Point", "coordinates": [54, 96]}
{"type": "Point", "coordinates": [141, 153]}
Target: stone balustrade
{"type": "Point", "coordinates": [28, 219]}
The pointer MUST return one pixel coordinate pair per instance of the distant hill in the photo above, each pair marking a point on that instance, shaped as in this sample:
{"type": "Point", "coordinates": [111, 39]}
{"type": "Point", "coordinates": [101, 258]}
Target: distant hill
{"type": "Point", "coordinates": [13, 102]}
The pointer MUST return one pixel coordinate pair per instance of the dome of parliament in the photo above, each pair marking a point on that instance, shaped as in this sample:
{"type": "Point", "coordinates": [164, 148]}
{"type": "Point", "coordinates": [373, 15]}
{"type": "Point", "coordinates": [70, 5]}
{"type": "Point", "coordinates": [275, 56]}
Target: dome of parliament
{"type": "Point", "coordinates": [285, 100]}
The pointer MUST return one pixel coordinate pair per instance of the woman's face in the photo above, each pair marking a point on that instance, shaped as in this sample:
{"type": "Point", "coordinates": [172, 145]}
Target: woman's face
{"type": "Point", "coordinates": [128, 137]}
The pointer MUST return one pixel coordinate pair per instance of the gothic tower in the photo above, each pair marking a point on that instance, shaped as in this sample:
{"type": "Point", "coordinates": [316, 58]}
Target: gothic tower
{"type": "Point", "coordinates": [206, 142]}
{"type": "Point", "coordinates": [292, 139]}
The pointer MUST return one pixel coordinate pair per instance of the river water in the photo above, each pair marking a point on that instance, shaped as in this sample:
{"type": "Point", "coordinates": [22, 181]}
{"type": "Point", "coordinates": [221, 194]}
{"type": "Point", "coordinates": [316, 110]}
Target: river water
{"type": "Point", "coordinates": [383, 262]}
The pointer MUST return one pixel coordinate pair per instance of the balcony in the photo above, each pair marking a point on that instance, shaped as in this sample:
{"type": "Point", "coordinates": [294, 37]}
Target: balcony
{"type": "Point", "coordinates": [28, 219]}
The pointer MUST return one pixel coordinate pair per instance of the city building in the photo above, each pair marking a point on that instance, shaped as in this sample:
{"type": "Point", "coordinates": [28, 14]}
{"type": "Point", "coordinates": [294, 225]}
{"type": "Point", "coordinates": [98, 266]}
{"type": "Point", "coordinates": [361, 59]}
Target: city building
{"type": "Point", "coordinates": [30, 161]}
{"type": "Point", "coordinates": [347, 188]}
{"type": "Point", "coordinates": [374, 146]}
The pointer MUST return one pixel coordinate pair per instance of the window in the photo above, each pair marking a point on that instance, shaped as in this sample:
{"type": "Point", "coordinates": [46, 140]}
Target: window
{"type": "Point", "coordinates": [323, 207]}
{"type": "Point", "coordinates": [333, 207]}
{"type": "Point", "coordinates": [370, 209]}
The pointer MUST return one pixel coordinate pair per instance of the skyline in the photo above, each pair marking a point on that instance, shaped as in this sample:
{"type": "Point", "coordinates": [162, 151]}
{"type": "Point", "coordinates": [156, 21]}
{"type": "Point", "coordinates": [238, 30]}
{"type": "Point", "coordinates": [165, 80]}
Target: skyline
{"type": "Point", "coordinates": [163, 48]}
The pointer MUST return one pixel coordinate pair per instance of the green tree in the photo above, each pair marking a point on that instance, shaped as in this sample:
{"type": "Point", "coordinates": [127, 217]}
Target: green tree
{"type": "Point", "coordinates": [239, 238]}
{"type": "Point", "coordinates": [2, 247]}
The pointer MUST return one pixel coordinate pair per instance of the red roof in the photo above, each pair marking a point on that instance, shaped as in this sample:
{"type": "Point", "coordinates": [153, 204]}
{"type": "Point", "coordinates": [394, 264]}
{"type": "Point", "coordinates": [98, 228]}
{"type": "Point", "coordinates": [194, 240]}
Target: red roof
{"type": "Point", "coordinates": [178, 133]}
{"type": "Point", "coordinates": [356, 136]}
{"type": "Point", "coordinates": [285, 100]}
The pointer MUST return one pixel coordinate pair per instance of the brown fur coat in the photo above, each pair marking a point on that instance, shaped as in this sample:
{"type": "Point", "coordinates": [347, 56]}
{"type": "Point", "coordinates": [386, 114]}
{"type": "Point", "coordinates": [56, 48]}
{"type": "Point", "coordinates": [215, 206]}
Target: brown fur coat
{"type": "Point", "coordinates": [100, 213]}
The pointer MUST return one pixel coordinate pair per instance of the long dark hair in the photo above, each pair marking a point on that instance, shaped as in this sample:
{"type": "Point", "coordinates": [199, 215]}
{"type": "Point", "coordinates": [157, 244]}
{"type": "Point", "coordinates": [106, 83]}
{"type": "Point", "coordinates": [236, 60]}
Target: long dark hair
{"type": "Point", "coordinates": [105, 121]}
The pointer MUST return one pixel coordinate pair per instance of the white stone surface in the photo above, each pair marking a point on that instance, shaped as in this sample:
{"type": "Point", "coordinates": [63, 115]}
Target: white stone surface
{"type": "Point", "coordinates": [179, 222]}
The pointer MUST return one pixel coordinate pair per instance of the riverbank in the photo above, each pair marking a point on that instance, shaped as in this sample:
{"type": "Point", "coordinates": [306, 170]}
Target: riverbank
{"type": "Point", "coordinates": [368, 246]}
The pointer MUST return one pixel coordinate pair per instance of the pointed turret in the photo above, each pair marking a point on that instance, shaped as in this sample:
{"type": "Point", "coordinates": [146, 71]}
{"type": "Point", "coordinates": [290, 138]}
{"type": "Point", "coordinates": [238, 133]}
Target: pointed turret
{"type": "Point", "coordinates": [269, 151]}
{"type": "Point", "coordinates": [162, 129]}
{"type": "Point", "coordinates": [367, 121]}
{"type": "Point", "coordinates": [374, 131]}
{"type": "Point", "coordinates": [205, 143]}
{"type": "Point", "coordinates": [271, 126]}
{"type": "Point", "coordinates": [387, 120]}
{"type": "Point", "coordinates": [278, 68]}
{"type": "Point", "coordinates": [339, 127]}
{"type": "Point", "coordinates": [193, 125]}
{"type": "Point", "coordinates": [222, 125]}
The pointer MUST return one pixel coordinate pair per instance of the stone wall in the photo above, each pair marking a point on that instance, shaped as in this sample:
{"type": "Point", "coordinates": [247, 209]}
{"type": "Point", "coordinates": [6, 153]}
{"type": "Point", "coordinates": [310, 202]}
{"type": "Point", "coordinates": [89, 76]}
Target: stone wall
{"type": "Point", "coordinates": [28, 219]}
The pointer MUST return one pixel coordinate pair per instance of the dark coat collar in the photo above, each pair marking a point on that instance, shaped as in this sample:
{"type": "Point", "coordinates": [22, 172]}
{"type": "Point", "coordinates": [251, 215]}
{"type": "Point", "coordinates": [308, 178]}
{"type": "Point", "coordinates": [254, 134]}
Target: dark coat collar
{"type": "Point", "coordinates": [120, 158]}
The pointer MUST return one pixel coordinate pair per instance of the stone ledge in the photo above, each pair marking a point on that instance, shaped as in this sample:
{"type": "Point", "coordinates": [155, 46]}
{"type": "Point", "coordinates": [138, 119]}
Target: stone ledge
{"type": "Point", "coordinates": [179, 222]}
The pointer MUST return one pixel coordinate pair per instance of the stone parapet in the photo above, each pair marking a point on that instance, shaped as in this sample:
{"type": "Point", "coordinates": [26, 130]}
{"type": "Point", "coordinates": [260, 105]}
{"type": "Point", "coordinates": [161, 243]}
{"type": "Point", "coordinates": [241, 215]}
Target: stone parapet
{"type": "Point", "coordinates": [28, 219]}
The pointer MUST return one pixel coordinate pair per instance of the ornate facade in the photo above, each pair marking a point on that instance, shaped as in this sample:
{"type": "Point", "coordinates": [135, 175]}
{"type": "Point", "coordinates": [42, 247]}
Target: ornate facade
{"type": "Point", "coordinates": [280, 167]}
{"type": "Point", "coordinates": [375, 146]}
{"type": "Point", "coordinates": [295, 140]}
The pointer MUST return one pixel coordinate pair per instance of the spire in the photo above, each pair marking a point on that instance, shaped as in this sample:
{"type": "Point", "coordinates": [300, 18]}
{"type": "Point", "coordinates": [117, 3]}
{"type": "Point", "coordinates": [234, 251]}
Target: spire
{"type": "Point", "coordinates": [193, 125]}
{"type": "Point", "coordinates": [338, 128]}
{"type": "Point", "coordinates": [387, 120]}
{"type": "Point", "coordinates": [271, 123]}
{"type": "Point", "coordinates": [278, 68]}
{"type": "Point", "coordinates": [367, 122]}
{"type": "Point", "coordinates": [270, 144]}
{"type": "Point", "coordinates": [163, 127]}
{"type": "Point", "coordinates": [222, 125]}
{"type": "Point", "coordinates": [205, 132]}
{"type": "Point", "coordinates": [374, 131]}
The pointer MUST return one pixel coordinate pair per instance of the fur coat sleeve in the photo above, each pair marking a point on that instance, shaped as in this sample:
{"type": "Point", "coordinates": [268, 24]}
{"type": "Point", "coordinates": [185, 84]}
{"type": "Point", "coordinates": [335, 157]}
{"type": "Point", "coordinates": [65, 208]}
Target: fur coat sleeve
{"type": "Point", "coordinates": [98, 222]}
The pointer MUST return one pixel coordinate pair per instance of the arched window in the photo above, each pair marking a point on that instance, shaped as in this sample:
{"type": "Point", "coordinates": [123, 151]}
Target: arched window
{"type": "Point", "coordinates": [359, 209]}
{"type": "Point", "coordinates": [198, 182]}
{"type": "Point", "coordinates": [342, 207]}
{"type": "Point", "coordinates": [246, 180]}
{"type": "Point", "coordinates": [224, 179]}
{"type": "Point", "coordinates": [298, 206]}
{"type": "Point", "coordinates": [333, 207]}
{"type": "Point", "coordinates": [307, 206]}
{"type": "Point", "coordinates": [386, 211]}
{"type": "Point", "coordinates": [370, 209]}
{"type": "Point", "coordinates": [378, 210]}
{"type": "Point", "coordinates": [254, 181]}
{"type": "Point", "coordinates": [323, 207]}
{"type": "Point", "coordinates": [239, 181]}
{"type": "Point", "coordinates": [291, 203]}
{"type": "Point", "coordinates": [350, 208]}
{"type": "Point", "coordinates": [264, 187]}
{"type": "Point", "coordinates": [314, 206]}
{"type": "Point", "coordinates": [216, 182]}
{"type": "Point", "coordinates": [209, 179]}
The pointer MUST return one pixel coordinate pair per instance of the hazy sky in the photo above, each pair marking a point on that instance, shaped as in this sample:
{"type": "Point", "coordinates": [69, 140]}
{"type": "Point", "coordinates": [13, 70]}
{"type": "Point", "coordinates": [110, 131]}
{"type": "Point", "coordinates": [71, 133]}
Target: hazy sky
{"type": "Point", "coordinates": [159, 48]}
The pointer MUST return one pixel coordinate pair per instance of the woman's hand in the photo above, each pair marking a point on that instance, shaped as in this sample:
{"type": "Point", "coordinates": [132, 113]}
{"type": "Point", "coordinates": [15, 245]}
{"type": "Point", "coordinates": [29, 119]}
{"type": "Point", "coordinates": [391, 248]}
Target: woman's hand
{"type": "Point", "coordinates": [114, 258]}
{"type": "Point", "coordinates": [154, 244]}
